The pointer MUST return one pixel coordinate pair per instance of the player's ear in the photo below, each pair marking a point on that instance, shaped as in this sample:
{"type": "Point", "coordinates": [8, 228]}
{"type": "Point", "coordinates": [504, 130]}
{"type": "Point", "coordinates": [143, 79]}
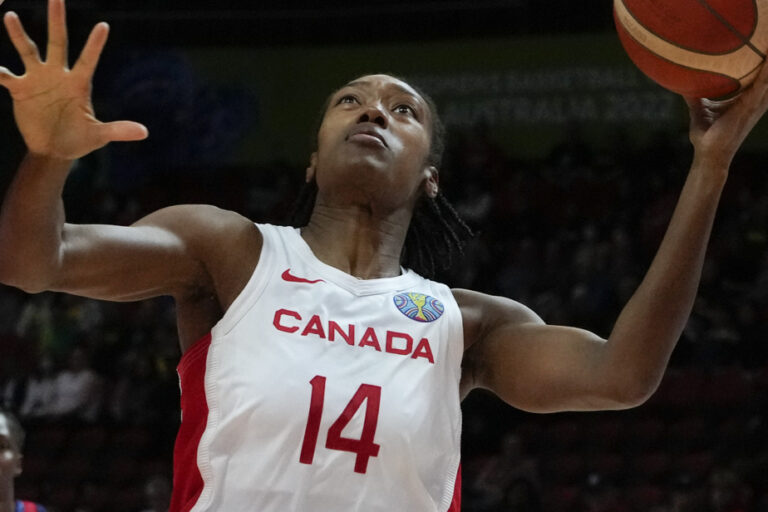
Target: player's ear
{"type": "Point", "coordinates": [431, 181]}
{"type": "Point", "coordinates": [312, 167]}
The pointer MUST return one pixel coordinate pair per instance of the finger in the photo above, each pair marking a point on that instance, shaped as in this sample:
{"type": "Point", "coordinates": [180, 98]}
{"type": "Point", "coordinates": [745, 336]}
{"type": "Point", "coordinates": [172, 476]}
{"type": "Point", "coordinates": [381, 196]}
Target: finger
{"type": "Point", "coordinates": [696, 108]}
{"type": "Point", "coordinates": [21, 41]}
{"type": "Point", "coordinates": [89, 57]}
{"type": "Point", "coordinates": [123, 131]}
{"type": "Point", "coordinates": [57, 34]}
{"type": "Point", "coordinates": [6, 77]}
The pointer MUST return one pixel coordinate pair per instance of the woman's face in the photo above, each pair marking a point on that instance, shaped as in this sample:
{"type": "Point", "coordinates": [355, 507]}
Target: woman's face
{"type": "Point", "coordinates": [10, 458]}
{"type": "Point", "coordinates": [373, 145]}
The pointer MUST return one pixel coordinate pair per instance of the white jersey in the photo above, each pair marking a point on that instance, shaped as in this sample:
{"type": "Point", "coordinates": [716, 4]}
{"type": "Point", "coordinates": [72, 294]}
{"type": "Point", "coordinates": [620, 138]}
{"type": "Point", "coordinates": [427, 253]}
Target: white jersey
{"type": "Point", "coordinates": [321, 392]}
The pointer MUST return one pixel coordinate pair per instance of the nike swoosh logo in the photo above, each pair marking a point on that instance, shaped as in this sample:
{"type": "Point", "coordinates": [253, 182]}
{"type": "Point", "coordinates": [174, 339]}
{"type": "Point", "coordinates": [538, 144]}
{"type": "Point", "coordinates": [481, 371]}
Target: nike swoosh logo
{"type": "Point", "coordinates": [287, 276]}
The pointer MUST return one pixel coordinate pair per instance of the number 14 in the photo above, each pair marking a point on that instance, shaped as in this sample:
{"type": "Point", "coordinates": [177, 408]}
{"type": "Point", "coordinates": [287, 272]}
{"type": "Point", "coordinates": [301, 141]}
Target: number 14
{"type": "Point", "coordinates": [364, 447]}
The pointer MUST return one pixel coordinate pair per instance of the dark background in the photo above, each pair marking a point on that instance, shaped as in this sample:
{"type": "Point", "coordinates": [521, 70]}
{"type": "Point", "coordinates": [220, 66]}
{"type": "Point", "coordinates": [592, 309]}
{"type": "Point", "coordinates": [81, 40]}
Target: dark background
{"type": "Point", "coordinates": [569, 233]}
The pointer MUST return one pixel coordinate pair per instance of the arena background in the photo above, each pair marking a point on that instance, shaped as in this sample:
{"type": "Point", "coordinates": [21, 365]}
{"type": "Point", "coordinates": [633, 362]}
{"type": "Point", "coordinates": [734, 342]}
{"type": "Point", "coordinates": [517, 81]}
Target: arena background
{"type": "Point", "coordinates": [564, 158]}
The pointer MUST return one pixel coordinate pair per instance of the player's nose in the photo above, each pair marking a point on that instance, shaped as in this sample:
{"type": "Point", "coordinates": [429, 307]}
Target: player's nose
{"type": "Point", "coordinates": [373, 114]}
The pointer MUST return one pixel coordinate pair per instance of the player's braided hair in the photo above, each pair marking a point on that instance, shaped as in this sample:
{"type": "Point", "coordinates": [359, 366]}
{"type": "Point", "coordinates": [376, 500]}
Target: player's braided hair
{"type": "Point", "coordinates": [436, 232]}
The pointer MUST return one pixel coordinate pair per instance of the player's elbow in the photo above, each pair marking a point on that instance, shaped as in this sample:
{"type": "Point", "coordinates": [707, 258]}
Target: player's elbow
{"type": "Point", "coordinates": [634, 396]}
{"type": "Point", "coordinates": [632, 391]}
{"type": "Point", "coordinates": [12, 273]}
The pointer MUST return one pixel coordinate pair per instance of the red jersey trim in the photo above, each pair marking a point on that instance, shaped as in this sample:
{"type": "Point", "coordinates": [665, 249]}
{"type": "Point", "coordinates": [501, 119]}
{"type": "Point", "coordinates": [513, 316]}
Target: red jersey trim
{"type": "Point", "coordinates": [456, 501]}
{"type": "Point", "coordinates": [187, 480]}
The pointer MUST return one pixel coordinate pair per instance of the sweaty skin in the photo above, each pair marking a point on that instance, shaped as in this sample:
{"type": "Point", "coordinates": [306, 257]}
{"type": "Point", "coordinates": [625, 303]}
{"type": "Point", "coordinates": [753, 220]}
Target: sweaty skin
{"type": "Point", "coordinates": [370, 167]}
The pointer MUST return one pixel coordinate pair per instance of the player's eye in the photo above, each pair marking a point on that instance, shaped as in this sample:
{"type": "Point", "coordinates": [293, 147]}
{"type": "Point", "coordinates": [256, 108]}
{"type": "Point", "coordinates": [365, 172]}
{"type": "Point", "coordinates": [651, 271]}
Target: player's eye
{"type": "Point", "coordinates": [405, 109]}
{"type": "Point", "coordinates": [348, 98]}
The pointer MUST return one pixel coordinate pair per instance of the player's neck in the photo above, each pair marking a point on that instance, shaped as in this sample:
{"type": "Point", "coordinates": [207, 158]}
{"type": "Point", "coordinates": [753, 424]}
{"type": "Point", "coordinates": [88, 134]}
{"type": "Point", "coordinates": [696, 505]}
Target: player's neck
{"type": "Point", "coordinates": [357, 241]}
{"type": "Point", "coordinates": [7, 500]}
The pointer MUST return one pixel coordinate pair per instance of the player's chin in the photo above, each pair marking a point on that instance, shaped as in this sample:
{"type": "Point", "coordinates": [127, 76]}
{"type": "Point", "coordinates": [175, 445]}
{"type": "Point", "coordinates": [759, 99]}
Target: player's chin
{"type": "Point", "coordinates": [366, 158]}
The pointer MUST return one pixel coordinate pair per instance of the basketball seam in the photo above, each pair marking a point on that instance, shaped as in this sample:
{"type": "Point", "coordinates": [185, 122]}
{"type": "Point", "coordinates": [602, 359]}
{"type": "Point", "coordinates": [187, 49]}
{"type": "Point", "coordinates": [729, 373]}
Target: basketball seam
{"type": "Point", "coordinates": [659, 56]}
{"type": "Point", "coordinates": [745, 39]}
{"type": "Point", "coordinates": [673, 43]}
{"type": "Point", "coordinates": [745, 76]}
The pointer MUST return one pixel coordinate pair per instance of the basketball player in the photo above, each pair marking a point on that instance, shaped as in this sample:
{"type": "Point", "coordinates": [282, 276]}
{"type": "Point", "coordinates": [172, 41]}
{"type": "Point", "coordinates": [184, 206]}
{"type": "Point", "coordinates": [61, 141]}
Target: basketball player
{"type": "Point", "coordinates": [318, 373]}
{"type": "Point", "coordinates": [11, 445]}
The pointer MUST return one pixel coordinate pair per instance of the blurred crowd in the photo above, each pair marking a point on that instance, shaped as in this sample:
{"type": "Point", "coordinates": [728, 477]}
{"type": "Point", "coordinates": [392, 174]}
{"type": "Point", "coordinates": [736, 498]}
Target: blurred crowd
{"type": "Point", "coordinates": [569, 235]}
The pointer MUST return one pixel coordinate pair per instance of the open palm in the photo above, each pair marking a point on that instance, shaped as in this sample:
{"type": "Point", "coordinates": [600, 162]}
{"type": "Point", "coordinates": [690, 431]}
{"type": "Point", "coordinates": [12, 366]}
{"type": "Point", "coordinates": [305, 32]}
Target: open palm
{"type": "Point", "coordinates": [51, 102]}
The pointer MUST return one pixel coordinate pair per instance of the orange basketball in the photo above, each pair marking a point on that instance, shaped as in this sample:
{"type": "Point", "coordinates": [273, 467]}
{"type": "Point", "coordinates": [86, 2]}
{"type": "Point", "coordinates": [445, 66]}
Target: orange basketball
{"type": "Point", "coordinates": [700, 48]}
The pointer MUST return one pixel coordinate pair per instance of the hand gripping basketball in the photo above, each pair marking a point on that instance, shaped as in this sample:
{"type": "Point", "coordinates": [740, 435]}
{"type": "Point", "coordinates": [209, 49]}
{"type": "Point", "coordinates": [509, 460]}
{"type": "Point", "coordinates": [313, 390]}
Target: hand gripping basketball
{"type": "Point", "coordinates": [719, 128]}
{"type": "Point", "coordinates": [51, 102]}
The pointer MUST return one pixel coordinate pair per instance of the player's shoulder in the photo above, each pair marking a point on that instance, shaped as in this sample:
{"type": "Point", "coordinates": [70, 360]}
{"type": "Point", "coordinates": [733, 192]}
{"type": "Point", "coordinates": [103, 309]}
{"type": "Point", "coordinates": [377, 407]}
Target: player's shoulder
{"type": "Point", "coordinates": [478, 303]}
{"type": "Point", "coordinates": [220, 239]}
{"type": "Point", "coordinates": [481, 312]}
{"type": "Point", "coordinates": [195, 216]}
{"type": "Point", "coordinates": [204, 223]}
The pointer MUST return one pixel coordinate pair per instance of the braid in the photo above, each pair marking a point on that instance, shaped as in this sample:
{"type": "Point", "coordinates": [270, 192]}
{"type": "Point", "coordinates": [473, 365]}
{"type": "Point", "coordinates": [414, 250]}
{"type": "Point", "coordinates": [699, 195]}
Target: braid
{"type": "Point", "coordinates": [435, 235]}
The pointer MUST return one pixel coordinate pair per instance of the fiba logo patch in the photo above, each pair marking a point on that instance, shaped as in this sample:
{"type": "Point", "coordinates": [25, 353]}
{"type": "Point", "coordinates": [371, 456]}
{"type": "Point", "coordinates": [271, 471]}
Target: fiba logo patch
{"type": "Point", "coordinates": [419, 307]}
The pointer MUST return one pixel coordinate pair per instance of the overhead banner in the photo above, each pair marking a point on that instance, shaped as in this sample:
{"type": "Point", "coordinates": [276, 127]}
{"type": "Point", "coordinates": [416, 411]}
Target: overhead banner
{"type": "Point", "coordinates": [257, 105]}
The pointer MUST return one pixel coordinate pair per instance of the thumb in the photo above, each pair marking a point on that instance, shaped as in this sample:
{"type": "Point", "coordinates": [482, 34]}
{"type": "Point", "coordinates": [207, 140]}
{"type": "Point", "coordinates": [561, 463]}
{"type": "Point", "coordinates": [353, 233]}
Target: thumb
{"type": "Point", "coordinates": [123, 131]}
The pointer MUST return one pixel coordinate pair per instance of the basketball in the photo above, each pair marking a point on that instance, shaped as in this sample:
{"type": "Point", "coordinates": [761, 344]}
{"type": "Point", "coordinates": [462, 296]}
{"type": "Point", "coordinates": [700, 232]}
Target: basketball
{"type": "Point", "coordinates": [699, 48]}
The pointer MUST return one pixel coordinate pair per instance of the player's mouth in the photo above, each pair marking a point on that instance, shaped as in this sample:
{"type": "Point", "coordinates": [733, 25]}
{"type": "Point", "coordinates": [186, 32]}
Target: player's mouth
{"type": "Point", "coordinates": [367, 135]}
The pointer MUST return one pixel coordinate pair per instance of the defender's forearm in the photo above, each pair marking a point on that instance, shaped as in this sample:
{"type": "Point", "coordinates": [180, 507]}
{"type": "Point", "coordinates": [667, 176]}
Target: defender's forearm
{"type": "Point", "coordinates": [31, 223]}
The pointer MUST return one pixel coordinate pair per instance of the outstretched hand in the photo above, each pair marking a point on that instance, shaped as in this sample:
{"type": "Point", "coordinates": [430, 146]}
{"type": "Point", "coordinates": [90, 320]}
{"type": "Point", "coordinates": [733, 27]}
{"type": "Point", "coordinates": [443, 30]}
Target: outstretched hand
{"type": "Point", "coordinates": [51, 102]}
{"type": "Point", "coordinates": [718, 128]}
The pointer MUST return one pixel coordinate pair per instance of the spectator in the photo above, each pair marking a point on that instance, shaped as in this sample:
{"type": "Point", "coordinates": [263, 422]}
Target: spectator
{"type": "Point", "coordinates": [685, 496]}
{"type": "Point", "coordinates": [11, 446]}
{"type": "Point", "coordinates": [158, 494]}
{"type": "Point", "coordinates": [13, 387]}
{"type": "Point", "coordinates": [41, 389]}
{"type": "Point", "coordinates": [135, 390]}
{"type": "Point", "coordinates": [521, 496]}
{"type": "Point", "coordinates": [727, 493]}
{"type": "Point", "coordinates": [77, 389]}
{"type": "Point", "coordinates": [495, 478]}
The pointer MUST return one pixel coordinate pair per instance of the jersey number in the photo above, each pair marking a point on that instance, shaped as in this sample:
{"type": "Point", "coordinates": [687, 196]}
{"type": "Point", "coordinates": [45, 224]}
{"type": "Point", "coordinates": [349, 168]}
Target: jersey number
{"type": "Point", "coordinates": [364, 447]}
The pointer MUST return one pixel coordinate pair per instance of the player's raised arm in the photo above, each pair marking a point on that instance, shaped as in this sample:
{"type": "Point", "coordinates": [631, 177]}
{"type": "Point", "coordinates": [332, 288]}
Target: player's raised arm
{"type": "Point", "coordinates": [549, 368]}
{"type": "Point", "coordinates": [169, 252]}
